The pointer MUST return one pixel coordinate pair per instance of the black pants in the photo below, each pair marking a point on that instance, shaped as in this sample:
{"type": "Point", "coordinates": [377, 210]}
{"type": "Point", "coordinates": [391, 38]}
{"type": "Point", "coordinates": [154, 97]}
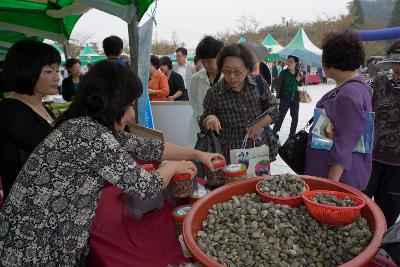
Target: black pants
{"type": "Point", "coordinates": [384, 186]}
{"type": "Point", "coordinates": [284, 106]}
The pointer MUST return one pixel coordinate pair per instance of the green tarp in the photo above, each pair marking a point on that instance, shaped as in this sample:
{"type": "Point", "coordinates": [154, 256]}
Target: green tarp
{"type": "Point", "coordinates": [55, 19]}
{"type": "Point", "coordinates": [35, 18]}
{"type": "Point", "coordinates": [8, 38]}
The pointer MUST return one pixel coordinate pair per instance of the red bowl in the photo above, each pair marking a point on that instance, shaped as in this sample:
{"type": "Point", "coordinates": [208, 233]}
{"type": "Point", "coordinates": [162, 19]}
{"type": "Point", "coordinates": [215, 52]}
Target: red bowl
{"type": "Point", "coordinates": [198, 213]}
{"type": "Point", "coordinates": [290, 201]}
{"type": "Point", "coordinates": [333, 215]}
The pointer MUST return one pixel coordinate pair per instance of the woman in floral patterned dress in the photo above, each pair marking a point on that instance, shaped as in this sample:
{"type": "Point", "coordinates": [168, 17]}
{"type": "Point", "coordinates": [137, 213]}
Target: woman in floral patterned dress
{"type": "Point", "coordinates": [46, 218]}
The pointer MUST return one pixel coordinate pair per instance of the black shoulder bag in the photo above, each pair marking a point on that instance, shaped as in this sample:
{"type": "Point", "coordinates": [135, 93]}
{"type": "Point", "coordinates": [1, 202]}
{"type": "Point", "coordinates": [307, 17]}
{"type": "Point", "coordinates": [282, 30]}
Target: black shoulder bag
{"type": "Point", "coordinates": [293, 151]}
{"type": "Point", "coordinates": [207, 141]}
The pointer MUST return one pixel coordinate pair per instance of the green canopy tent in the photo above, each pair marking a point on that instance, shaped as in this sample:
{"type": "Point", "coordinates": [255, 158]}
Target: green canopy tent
{"type": "Point", "coordinates": [273, 46]}
{"type": "Point", "coordinates": [8, 38]}
{"type": "Point", "coordinates": [51, 19]}
{"type": "Point", "coordinates": [57, 47]}
{"type": "Point", "coordinates": [55, 19]}
{"type": "Point", "coordinates": [303, 48]}
{"type": "Point", "coordinates": [88, 55]}
{"type": "Point", "coordinates": [242, 40]}
{"type": "Point", "coordinates": [271, 43]}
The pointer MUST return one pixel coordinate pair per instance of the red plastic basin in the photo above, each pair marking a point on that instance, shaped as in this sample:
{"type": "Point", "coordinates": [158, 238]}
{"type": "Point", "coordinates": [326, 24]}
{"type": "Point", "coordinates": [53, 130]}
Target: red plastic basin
{"type": "Point", "coordinates": [199, 212]}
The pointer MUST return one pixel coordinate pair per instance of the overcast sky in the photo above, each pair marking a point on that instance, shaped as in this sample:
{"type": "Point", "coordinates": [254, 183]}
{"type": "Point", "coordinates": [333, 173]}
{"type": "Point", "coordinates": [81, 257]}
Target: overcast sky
{"type": "Point", "coordinates": [192, 19]}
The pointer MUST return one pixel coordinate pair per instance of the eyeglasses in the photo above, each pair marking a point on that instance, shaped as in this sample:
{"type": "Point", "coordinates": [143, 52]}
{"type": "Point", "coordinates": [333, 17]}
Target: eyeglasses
{"type": "Point", "coordinates": [235, 72]}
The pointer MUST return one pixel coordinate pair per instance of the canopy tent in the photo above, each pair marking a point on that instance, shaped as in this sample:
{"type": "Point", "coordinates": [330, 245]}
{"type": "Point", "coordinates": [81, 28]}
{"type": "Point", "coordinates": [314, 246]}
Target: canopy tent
{"type": "Point", "coordinates": [272, 44]}
{"type": "Point", "coordinates": [56, 46]}
{"type": "Point", "coordinates": [55, 19]}
{"type": "Point", "coordinates": [8, 38]}
{"type": "Point", "coordinates": [88, 55]}
{"type": "Point", "coordinates": [44, 18]}
{"type": "Point", "coordinates": [242, 40]}
{"type": "Point", "coordinates": [123, 9]}
{"type": "Point", "coordinates": [301, 47]}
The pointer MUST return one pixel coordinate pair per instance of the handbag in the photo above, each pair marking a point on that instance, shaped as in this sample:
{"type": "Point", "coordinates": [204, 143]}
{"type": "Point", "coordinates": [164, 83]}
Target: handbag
{"type": "Point", "coordinates": [207, 141]}
{"type": "Point", "coordinates": [256, 159]}
{"type": "Point", "coordinates": [391, 241]}
{"type": "Point", "coordinates": [293, 151]}
{"type": "Point", "coordinates": [304, 96]}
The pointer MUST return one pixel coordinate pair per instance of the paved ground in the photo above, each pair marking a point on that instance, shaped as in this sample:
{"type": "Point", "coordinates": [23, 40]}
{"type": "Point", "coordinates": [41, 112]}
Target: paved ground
{"type": "Point", "coordinates": [305, 113]}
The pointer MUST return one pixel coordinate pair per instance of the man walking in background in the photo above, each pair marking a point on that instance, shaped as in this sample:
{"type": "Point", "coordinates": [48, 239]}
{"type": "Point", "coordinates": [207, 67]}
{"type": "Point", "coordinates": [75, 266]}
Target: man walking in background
{"type": "Point", "coordinates": [184, 68]}
{"type": "Point", "coordinates": [113, 48]}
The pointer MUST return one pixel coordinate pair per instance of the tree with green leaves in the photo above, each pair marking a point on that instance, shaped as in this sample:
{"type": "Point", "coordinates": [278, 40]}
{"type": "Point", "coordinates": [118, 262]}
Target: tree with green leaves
{"type": "Point", "coordinates": [357, 12]}
{"type": "Point", "coordinates": [395, 21]}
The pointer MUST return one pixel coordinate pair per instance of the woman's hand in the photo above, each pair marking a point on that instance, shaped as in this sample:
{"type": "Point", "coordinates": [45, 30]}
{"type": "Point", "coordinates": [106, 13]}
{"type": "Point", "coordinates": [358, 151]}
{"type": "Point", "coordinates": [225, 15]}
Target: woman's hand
{"type": "Point", "coordinates": [298, 78]}
{"type": "Point", "coordinates": [211, 122]}
{"type": "Point", "coordinates": [169, 169]}
{"type": "Point", "coordinates": [253, 131]}
{"type": "Point", "coordinates": [184, 167]}
{"type": "Point", "coordinates": [206, 158]}
{"type": "Point", "coordinates": [151, 91]}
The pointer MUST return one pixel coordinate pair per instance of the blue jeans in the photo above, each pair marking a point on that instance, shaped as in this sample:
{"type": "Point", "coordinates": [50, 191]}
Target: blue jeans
{"type": "Point", "coordinates": [284, 106]}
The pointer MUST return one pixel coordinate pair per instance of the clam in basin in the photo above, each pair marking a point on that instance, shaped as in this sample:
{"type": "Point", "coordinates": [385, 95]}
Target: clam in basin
{"type": "Point", "coordinates": [199, 212]}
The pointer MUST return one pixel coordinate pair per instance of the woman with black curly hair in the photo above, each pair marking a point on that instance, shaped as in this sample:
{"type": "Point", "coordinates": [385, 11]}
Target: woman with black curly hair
{"type": "Point", "coordinates": [46, 219]}
{"type": "Point", "coordinates": [347, 107]}
{"type": "Point", "coordinates": [384, 183]}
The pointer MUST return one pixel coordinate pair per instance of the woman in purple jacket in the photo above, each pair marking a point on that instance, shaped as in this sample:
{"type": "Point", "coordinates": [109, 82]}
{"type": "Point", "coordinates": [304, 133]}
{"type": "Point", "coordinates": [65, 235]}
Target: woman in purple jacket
{"type": "Point", "coordinates": [347, 107]}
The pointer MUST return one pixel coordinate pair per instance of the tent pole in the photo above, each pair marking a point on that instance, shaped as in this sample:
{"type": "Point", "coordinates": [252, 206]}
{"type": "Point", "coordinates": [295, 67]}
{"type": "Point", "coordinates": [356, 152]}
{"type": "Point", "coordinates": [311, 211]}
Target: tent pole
{"type": "Point", "coordinates": [66, 53]}
{"type": "Point", "coordinates": [133, 33]}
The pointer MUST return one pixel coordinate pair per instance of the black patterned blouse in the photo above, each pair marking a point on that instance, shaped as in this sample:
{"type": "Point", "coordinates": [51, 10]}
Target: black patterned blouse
{"type": "Point", "coordinates": [386, 105]}
{"type": "Point", "coordinates": [236, 110]}
{"type": "Point", "coordinates": [47, 217]}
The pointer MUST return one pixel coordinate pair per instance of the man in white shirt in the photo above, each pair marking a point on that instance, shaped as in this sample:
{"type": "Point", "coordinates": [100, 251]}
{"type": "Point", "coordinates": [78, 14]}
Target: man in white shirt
{"type": "Point", "coordinates": [184, 68]}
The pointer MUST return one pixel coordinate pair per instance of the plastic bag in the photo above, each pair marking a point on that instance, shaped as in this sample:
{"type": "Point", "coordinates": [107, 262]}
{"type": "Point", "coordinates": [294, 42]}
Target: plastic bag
{"type": "Point", "coordinates": [391, 242]}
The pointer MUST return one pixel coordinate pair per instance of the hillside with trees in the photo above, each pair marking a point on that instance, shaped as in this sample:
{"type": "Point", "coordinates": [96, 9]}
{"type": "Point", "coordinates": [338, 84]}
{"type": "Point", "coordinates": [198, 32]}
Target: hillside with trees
{"type": "Point", "coordinates": [363, 14]}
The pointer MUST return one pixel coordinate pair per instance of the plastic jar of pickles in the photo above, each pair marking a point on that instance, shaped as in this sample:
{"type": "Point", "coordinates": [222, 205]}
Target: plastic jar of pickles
{"type": "Point", "coordinates": [179, 214]}
{"type": "Point", "coordinates": [234, 172]}
{"type": "Point", "coordinates": [182, 186]}
{"type": "Point", "coordinates": [215, 178]}
{"type": "Point", "coordinates": [199, 193]}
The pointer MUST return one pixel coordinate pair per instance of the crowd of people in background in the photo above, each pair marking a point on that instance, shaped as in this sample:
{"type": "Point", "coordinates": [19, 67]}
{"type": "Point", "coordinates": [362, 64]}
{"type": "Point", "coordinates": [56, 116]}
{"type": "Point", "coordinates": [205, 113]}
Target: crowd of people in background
{"type": "Point", "coordinates": [227, 88]}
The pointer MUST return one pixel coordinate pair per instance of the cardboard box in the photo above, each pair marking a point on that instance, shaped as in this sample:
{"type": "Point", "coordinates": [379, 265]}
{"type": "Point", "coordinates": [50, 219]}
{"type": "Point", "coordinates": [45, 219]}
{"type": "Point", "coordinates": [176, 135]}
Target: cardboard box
{"type": "Point", "coordinates": [142, 131]}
